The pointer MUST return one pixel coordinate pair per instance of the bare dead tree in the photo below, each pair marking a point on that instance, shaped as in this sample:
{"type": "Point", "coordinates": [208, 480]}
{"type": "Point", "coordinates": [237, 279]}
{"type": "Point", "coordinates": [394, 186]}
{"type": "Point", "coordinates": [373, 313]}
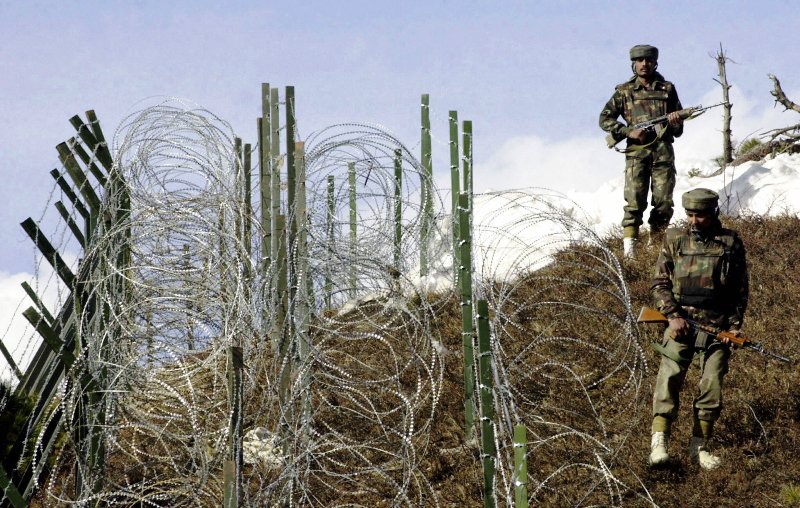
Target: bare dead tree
{"type": "Point", "coordinates": [727, 145]}
{"type": "Point", "coordinates": [789, 135]}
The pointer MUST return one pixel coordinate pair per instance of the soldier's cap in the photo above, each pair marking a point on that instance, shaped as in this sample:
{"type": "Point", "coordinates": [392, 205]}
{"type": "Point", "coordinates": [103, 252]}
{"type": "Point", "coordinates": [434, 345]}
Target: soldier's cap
{"type": "Point", "coordinates": [700, 200]}
{"type": "Point", "coordinates": [644, 51]}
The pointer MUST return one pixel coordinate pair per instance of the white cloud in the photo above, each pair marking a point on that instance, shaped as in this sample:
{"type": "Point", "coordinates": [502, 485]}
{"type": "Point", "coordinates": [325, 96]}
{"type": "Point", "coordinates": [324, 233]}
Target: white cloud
{"type": "Point", "coordinates": [582, 163]}
{"type": "Point", "coordinates": [16, 332]}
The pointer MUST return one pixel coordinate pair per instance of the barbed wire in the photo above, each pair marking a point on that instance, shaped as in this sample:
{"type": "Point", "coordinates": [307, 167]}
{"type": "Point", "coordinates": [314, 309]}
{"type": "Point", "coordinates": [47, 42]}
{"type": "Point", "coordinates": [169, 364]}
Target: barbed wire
{"type": "Point", "coordinates": [553, 285]}
{"type": "Point", "coordinates": [343, 378]}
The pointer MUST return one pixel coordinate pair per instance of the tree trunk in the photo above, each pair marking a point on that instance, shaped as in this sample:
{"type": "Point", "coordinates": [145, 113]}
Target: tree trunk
{"type": "Point", "coordinates": [727, 148]}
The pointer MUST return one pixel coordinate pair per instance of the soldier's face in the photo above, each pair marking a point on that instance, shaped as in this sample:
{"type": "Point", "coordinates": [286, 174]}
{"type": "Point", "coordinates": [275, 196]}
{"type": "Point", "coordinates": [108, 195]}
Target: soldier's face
{"type": "Point", "coordinates": [699, 221]}
{"type": "Point", "coordinates": [644, 66]}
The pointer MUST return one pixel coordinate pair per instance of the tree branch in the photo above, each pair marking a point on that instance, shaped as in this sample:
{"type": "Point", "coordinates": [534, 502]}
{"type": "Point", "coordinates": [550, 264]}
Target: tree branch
{"type": "Point", "coordinates": [774, 133]}
{"type": "Point", "coordinates": [780, 97]}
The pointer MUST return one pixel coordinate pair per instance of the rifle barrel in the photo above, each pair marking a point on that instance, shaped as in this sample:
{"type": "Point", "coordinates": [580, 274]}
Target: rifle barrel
{"type": "Point", "coordinates": [763, 351]}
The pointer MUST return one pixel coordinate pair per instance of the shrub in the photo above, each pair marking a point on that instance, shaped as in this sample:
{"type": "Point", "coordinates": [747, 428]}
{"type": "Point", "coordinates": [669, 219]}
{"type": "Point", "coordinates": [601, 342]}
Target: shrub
{"type": "Point", "coordinates": [791, 494]}
{"type": "Point", "coordinates": [747, 146]}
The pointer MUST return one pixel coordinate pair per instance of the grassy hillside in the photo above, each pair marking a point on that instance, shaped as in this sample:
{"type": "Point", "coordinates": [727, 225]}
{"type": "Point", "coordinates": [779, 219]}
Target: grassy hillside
{"type": "Point", "coordinates": [387, 406]}
{"type": "Point", "coordinates": [758, 434]}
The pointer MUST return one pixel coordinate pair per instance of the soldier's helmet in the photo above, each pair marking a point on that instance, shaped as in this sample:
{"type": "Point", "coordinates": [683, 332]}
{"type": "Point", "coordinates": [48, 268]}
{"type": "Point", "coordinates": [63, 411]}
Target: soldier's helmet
{"type": "Point", "coordinates": [644, 51]}
{"type": "Point", "coordinates": [700, 200]}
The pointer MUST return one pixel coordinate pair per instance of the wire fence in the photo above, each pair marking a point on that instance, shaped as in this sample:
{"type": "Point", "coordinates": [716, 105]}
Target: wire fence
{"type": "Point", "coordinates": [569, 365]}
{"type": "Point", "coordinates": [343, 380]}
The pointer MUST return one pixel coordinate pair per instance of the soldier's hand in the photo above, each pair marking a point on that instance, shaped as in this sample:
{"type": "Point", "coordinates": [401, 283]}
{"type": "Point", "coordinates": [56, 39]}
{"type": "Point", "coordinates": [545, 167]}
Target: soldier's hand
{"type": "Point", "coordinates": [674, 119]}
{"type": "Point", "coordinates": [679, 327]}
{"type": "Point", "coordinates": [637, 135]}
{"type": "Point", "coordinates": [729, 342]}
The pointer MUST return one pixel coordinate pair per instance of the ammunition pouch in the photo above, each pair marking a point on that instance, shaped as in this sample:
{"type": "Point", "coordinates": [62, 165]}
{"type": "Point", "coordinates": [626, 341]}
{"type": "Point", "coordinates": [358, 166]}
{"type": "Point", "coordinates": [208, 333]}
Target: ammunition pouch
{"type": "Point", "coordinates": [703, 340]}
{"type": "Point", "coordinates": [701, 298]}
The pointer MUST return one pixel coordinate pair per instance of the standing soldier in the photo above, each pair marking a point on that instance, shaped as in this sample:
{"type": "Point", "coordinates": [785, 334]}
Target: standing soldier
{"type": "Point", "coordinates": [649, 157]}
{"type": "Point", "coordinates": [701, 275]}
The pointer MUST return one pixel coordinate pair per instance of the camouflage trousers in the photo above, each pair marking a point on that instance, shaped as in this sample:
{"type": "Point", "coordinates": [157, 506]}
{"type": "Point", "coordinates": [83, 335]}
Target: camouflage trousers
{"type": "Point", "coordinates": [676, 358]}
{"type": "Point", "coordinates": [650, 169]}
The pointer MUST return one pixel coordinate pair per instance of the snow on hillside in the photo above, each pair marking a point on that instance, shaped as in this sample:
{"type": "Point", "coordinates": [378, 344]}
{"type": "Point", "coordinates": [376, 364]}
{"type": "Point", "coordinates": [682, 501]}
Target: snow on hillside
{"type": "Point", "coordinates": [517, 230]}
{"type": "Point", "coordinates": [765, 187]}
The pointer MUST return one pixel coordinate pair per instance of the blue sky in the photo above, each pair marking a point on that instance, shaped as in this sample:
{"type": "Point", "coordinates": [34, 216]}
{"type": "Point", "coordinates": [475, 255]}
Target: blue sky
{"type": "Point", "coordinates": [532, 76]}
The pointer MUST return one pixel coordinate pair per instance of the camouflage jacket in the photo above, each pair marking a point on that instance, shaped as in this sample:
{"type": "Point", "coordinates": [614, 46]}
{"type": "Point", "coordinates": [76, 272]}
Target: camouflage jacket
{"type": "Point", "coordinates": [635, 103]}
{"type": "Point", "coordinates": [704, 279]}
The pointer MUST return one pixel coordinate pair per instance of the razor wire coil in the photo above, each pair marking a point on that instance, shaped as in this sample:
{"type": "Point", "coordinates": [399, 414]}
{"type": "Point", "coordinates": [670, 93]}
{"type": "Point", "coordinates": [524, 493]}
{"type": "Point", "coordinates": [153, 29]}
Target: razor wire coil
{"type": "Point", "coordinates": [355, 415]}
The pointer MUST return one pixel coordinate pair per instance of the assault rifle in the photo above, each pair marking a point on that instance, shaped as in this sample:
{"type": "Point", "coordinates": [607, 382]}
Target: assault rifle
{"type": "Point", "coordinates": [648, 315]}
{"type": "Point", "coordinates": [684, 114]}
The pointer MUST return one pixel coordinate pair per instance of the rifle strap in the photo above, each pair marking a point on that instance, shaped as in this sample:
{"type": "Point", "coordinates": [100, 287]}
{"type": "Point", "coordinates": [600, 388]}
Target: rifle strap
{"type": "Point", "coordinates": [671, 354]}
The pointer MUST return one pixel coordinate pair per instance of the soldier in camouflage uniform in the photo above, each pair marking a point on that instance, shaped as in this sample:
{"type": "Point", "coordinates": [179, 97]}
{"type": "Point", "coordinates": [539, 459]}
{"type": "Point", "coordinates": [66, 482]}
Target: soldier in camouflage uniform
{"type": "Point", "coordinates": [701, 274]}
{"type": "Point", "coordinates": [649, 157]}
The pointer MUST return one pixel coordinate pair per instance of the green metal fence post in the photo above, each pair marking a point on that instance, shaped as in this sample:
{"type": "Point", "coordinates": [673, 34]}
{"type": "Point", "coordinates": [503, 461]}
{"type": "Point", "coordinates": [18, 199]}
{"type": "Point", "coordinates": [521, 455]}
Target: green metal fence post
{"type": "Point", "coordinates": [89, 135]}
{"type": "Point", "coordinates": [291, 170]}
{"type": "Point", "coordinates": [49, 252]}
{"type": "Point", "coordinates": [291, 207]}
{"type": "Point", "coordinates": [10, 360]}
{"type": "Point", "coordinates": [467, 162]}
{"type": "Point", "coordinates": [520, 466]}
{"type": "Point", "coordinates": [278, 333]}
{"type": "Point", "coordinates": [238, 226]}
{"type": "Point", "coordinates": [233, 482]}
{"type": "Point", "coordinates": [351, 184]}
{"type": "Point", "coordinates": [275, 173]}
{"type": "Point", "coordinates": [465, 278]}
{"type": "Point", "coordinates": [248, 204]}
{"type": "Point", "coordinates": [305, 289]}
{"type": "Point", "coordinates": [76, 230]}
{"type": "Point", "coordinates": [488, 450]}
{"type": "Point", "coordinates": [455, 190]}
{"type": "Point", "coordinates": [265, 177]}
{"type": "Point", "coordinates": [80, 416]}
{"type": "Point", "coordinates": [247, 222]}
{"type": "Point", "coordinates": [274, 198]}
{"type": "Point", "coordinates": [81, 182]}
{"type": "Point", "coordinates": [100, 148]}
{"type": "Point", "coordinates": [426, 187]}
{"type": "Point", "coordinates": [189, 307]}
{"type": "Point", "coordinates": [78, 150]}
{"type": "Point", "coordinates": [229, 499]}
{"type": "Point", "coordinates": [39, 304]}
{"type": "Point", "coordinates": [398, 208]}
{"type": "Point", "coordinates": [329, 230]}
{"type": "Point", "coordinates": [76, 202]}
{"type": "Point", "coordinates": [10, 491]}
{"type": "Point", "coordinates": [223, 283]}
{"type": "Point", "coordinates": [281, 336]}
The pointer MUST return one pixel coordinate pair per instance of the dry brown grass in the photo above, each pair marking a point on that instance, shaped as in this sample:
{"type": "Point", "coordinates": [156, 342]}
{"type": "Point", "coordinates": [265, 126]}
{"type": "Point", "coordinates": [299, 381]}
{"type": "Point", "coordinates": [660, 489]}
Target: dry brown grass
{"type": "Point", "coordinates": [758, 435]}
